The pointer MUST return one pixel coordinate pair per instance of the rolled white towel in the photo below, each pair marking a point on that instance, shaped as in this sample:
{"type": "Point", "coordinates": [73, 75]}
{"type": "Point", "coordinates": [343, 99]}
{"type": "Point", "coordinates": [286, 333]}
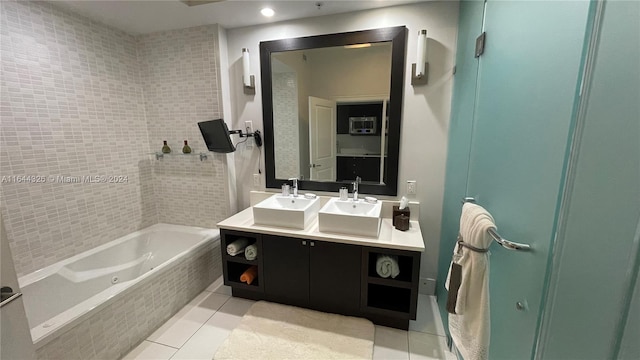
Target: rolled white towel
{"type": "Point", "coordinates": [387, 265]}
{"type": "Point", "coordinates": [251, 252]}
{"type": "Point", "coordinates": [237, 246]}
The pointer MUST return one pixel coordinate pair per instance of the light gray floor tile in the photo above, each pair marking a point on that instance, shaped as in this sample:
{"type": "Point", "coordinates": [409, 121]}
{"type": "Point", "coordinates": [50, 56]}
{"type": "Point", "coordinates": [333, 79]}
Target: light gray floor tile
{"type": "Point", "coordinates": [423, 346]}
{"type": "Point", "coordinates": [390, 344]}
{"type": "Point", "coordinates": [428, 318]}
{"type": "Point", "coordinates": [219, 287]}
{"type": "Point", "coordinates": [198, 330]}
{"type": "Point", "coordinates": [149, 350]}
{"type": "Point", "coordinates": [205, 342]}
{"type": "Point", "coordinates": [177, 330]}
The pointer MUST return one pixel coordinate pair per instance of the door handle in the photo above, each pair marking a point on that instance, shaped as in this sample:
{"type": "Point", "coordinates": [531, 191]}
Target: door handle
{"type": "Point", "coordinates": [313, 243]}
{"type": "Point", "coordinates": [314, 165]}
{"type": "Point", "coordinates": [304, 242]}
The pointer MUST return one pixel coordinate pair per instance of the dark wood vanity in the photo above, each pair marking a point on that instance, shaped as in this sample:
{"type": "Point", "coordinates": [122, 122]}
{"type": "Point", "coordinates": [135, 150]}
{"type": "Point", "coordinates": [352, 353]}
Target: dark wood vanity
{"type": "Point", "coordinates": [325, 275]}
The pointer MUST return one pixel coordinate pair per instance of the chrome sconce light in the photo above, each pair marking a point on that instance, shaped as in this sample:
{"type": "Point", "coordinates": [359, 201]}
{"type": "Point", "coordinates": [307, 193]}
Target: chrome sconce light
{"type": "Point", "coordinates": [420, 69]}
{"type": "Point", "coordinates": [248, 80]}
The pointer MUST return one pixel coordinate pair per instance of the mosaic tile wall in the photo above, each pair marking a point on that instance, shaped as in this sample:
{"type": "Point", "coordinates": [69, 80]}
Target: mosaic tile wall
{"type": "Point", "coordinates": [179, 71]}
{"type": "Point", "coordinates": [113, 331]}
{"type": "Point", "coordinates": [80, 100]}
{"type": "Point", "coordinates": [285, 109]}
{"type": "Point", "coordinates": [71, 105]}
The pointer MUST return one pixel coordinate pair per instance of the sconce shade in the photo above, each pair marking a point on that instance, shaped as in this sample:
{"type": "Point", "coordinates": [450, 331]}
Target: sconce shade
{"type": "Point", "coordinates": [246, 67]}
{"type": "Point", "coordinates": [422, 53]}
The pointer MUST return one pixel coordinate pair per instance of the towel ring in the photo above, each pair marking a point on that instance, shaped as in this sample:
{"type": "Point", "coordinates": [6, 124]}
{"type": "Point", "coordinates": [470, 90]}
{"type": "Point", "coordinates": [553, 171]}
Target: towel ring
{"type": "Point", "coordinates": [499, 239]}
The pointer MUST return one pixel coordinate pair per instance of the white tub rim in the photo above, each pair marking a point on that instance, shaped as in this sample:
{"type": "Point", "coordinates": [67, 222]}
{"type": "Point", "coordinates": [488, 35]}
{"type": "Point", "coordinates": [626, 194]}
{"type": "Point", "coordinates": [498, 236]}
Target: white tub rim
{"type": "Point", "coordinates": [70, 319]}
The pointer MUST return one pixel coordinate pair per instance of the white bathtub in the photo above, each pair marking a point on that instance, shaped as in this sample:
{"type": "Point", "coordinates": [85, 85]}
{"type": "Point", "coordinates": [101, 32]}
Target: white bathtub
{"type": "Point", "coordinates": [63, 294]}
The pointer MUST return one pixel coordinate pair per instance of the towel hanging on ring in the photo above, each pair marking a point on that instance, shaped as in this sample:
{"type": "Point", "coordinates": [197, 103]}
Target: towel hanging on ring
{"type": "Point", "coordinates": [469, 322]}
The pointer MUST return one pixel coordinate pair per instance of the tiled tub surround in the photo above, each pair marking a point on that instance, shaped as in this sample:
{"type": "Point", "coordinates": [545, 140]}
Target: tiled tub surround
{"type": "Point", "coordinates": [71, 105]}
{"type": "Point", "coordinates": [80, 98]}
{"type": "Point", "coordinates": [114, 323]}
{"type": "Point", "coordinates": [180, 78]}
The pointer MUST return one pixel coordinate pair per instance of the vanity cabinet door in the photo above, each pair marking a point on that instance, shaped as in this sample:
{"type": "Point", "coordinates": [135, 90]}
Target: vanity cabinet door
{"type": "Point", "coordinates": [286, 270]}
{"type": "Point", "coordinates": [335, 277]}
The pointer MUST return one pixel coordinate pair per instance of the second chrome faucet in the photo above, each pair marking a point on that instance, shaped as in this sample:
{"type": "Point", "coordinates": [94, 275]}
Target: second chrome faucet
{"type": "Point", "coordinates": [355, 188]}
{"type": "Point", "coordinates": [294, 183]}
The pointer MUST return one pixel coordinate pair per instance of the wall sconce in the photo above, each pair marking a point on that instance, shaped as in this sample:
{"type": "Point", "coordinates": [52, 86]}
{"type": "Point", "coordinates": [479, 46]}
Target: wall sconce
{"type": "Point", "coordinates": [248, 81]}
{"type": "Point", "coordinates": [420, 69]}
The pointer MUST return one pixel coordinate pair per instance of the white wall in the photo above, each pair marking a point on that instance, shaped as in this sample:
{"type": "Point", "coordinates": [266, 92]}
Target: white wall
{"type": "Point", "coordinates": [426, 109]}
{"type": "Point", "coordinates": [350, 75]}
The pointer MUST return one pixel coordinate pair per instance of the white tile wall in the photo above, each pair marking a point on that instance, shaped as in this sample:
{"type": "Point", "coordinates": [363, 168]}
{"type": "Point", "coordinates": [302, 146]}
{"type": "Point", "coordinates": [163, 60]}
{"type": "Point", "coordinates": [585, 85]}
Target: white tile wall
{"type": "Point", "coordinates": [79, 98]}
{"type": "Point", "coordinates": [287, 139]}
{"type": "Point", "coordinates": [180, 79]}
{"type": "Point", "coordinates": [71, 105]}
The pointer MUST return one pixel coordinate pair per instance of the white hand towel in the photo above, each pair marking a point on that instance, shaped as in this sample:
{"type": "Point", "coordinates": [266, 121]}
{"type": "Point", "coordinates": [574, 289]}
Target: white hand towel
{"type": "Point", "coordinates": [470, 326]}
{"type": "Point", "coordinates": [251, 252]}
{"type": "Point", "coordinates": [237, 246]}
{"type": "Point", "coordinates": [387, 265]}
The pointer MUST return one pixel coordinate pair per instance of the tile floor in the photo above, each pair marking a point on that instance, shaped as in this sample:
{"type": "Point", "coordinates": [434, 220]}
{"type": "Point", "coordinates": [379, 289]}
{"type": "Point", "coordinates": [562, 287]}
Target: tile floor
{"type": "Point", "coordinates": [199, 328]}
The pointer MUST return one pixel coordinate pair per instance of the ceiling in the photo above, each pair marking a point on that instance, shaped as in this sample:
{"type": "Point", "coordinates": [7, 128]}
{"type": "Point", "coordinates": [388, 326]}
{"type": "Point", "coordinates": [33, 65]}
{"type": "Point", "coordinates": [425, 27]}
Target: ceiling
{"type": "Point", "coordinates": [146, 16]}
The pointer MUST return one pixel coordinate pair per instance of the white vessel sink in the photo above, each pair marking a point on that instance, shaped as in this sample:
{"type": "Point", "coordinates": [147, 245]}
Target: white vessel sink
{"type": "Point", "coordinates": [349, 217]}
{"type": "Point", "coordinates": [286, 211]}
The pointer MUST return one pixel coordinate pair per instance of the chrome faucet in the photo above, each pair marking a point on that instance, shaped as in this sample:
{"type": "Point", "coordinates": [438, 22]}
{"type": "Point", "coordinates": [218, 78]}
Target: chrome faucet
{"type": "Point", "coordinates": [294, 182]}
{"type": "Point", "coordinates": [355, 188]}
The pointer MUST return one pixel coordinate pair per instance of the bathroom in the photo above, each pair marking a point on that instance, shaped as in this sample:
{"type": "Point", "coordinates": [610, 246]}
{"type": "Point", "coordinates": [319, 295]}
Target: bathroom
{"type": "Point", "coordinates": [94, 88]}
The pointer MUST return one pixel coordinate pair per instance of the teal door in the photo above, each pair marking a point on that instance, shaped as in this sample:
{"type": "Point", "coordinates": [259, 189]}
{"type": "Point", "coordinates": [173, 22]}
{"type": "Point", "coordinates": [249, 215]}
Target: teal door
{"type": "Point", "coordinates": [528, 78]}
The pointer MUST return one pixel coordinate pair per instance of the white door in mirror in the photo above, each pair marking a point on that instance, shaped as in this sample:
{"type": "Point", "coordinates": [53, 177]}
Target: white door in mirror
{"type": "Point", "coordinates": [322, 139]}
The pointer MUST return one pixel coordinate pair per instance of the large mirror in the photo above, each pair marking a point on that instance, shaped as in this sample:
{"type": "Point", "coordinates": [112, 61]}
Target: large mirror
{"type": "Point", "coordinates": [332, 109]}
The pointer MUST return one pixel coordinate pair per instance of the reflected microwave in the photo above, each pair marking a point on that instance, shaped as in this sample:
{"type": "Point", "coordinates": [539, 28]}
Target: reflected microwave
{"type": "Point", "coordinates": [363, 125]}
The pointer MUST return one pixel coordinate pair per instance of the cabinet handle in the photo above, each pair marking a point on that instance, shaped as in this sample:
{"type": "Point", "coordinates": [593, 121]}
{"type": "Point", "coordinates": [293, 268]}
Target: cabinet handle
{"type": "Point", "coordinates": [304, 242]}
{"type": "Point", "coordinates": [313, 243]}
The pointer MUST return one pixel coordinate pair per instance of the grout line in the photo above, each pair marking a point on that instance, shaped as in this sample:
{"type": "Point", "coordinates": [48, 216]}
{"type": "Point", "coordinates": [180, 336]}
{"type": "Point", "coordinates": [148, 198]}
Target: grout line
{"type": "Point", "coordinates": [155, 342]}
{"type": "Point", "coordinates": [201, 326]}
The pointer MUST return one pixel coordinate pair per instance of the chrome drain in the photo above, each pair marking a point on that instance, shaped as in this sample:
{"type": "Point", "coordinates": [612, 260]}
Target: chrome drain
{"type": "Point", "coordinates": [114, 279]}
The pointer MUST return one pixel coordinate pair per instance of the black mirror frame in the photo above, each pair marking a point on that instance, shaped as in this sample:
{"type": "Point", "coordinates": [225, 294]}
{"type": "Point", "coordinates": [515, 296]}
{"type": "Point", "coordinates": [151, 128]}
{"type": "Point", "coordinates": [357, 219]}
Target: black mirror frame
{"type": "Point", "coordinates": [398, 37]}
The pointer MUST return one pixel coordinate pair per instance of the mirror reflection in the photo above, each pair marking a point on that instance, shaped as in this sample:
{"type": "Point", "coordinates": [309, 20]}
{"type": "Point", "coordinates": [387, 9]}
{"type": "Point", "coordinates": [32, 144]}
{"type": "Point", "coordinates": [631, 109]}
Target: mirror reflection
{"type": "Point", "coordinates": [330, 112]}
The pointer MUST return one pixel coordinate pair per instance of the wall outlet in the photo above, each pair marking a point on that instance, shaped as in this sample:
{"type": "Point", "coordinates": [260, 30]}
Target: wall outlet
{"type": "Point", "coordinates": [256, 180]}
{"type": "Point", "coordinates": [411, 187]}
{"type": "Point", "coordinates": [248, 127]}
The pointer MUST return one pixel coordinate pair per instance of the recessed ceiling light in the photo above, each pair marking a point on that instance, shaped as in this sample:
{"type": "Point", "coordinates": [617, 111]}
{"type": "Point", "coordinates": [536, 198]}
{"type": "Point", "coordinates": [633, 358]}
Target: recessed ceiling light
{"type": "Point", "coordinates": [268, 12]}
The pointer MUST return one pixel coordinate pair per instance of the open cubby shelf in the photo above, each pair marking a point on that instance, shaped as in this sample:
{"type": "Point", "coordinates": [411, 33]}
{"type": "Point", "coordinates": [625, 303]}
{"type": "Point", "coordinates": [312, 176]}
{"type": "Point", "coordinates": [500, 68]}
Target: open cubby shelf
{"type": "Point", "coordinates": [404, 262]}
{"type": "Point", "coordinates": [235, 270]}
{"type": "Point", "coordinates": [389, 298]}
{"type": "Point", "coordinates": [234, 266]}
{"type": "Point", "coordinates": [241, 259]}
{"type": "Point", "coordinates": [229, 238]}
{"type": "Point", "coordinates": [389, 282]}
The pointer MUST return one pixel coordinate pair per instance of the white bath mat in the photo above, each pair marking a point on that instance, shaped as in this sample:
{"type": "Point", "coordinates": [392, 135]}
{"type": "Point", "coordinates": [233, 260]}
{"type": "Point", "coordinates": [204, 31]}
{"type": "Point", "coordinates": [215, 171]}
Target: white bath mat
{"type": "Point", "coordinates": [275, 331]}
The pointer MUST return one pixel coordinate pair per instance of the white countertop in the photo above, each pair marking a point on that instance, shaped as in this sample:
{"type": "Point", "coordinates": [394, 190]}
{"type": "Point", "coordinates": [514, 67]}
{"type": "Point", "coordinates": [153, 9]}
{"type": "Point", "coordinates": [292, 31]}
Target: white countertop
{"type": "Point", "coordinates": [389, 237]}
